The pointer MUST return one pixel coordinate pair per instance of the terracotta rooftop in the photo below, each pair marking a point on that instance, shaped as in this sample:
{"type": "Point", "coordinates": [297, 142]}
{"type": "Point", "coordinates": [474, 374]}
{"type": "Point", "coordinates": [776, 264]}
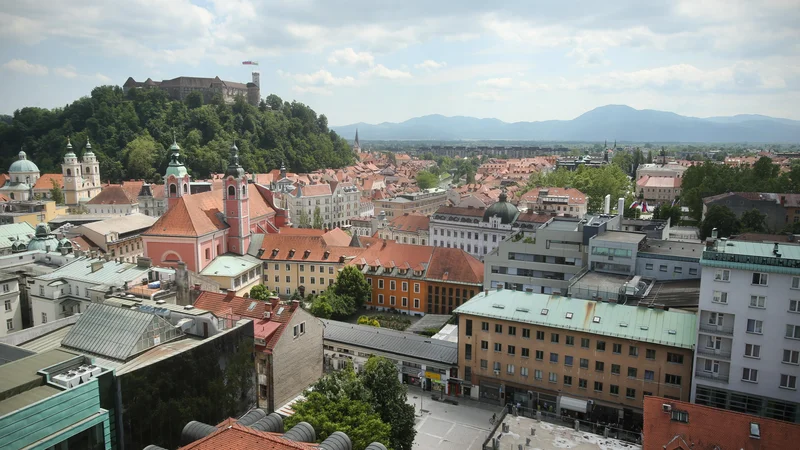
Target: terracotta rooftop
{"type": "Point", "coordinates": [575, 196]}
{"type": "Point", "coordinates": [455, 266]}
{"type": "Point", "coordinates": [455, 210]}
{"type": "Point", "coordinates": [328, 247]}
{"type": "Point", "coordinates": [533, 217]}
{"type": "Point", "coordinates": [313, 190]}
{"type": "Point", "coordinates": [113, 194]}
{"type": "Point", "coordinates": [200, 214]}
{"type": "Point", "coordinates": [240, 437]}
{"type": "Point", "coordinates": [658, 182]}
{"type": "Point", "coordinates": [410, 222]}
{"type": "Point", "coordinates": [223, 304]}
{"type": "Point", "coordinates": [704, 427]}
{"type": "Point", "coordinates": [45, 181]}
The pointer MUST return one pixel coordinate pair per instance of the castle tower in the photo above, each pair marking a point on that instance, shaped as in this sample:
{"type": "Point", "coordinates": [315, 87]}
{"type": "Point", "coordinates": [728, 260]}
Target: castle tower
{"type": "Point", "coordinates": [237, 205]}
{"type": "Point", "coordinates": [176, 180]}
{"type": "Point", "coordinates": [71, 171]}
{"type": "Point", "coordinates": [257, 78]}
{"type": "Point", "coordinates": [91, 169]}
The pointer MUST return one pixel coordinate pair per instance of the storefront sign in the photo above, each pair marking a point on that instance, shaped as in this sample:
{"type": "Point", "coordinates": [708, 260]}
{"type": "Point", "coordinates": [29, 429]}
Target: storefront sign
{"type": "Point", "coordinates": [433, 375]}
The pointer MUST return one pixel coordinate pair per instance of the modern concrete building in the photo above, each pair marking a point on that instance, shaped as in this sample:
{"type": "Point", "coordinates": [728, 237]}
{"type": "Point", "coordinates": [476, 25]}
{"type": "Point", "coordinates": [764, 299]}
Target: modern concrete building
{"type": "Point", "coordinates": [748, 334]}
{"type": "Point", "coordinates": [421, 361]}
{"type": "Point", "coordinates": [594, 359]}
{"type": "Point", "coordinates": [546, 263]}
{"type": "Point", "coordinates": [57, 399]}
{"type": "Point", "coordinates": [425, 203]}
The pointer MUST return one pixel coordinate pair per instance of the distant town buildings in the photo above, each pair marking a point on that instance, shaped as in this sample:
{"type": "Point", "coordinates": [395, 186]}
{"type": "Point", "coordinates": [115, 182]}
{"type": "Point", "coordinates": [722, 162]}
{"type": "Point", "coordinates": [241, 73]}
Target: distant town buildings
{"type": "Point", "coordinates": [406, 229]}
{"type": "Point", "coordinates": [780, 209]}
{"type": "Point", "coordinates": [425, 203]}
{"type": "Point", "coordinates": [560, 201]}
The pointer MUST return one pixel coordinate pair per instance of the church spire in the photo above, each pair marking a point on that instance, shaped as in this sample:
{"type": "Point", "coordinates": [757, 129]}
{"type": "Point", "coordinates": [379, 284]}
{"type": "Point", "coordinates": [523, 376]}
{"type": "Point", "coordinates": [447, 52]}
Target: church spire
{"type": "Point", "coordinates": [234, 168]}
{"type": "Point", "coordinates": [356, 144]}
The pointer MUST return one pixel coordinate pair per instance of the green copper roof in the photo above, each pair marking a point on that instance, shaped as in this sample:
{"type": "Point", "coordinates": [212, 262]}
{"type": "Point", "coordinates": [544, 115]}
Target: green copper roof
{"type": "Point", "coordinates": [673, 328]}
{"type": "Point", "coordinates": [755, 256]}
{"type": "Point", "coordinates": [506, 211]}
{"type": "Point", "coordinates": [229, 266]}
{"type": "Point", "coordinates": [175, 167]}
{"type": "Point", "coordinates": [70, 153]}
{"type": "Point", "coordinates": [234, 168]}
{"type": "Point", "coordinates": [88, 150]}
{"type": "Point", "coordinates": [22, 164]}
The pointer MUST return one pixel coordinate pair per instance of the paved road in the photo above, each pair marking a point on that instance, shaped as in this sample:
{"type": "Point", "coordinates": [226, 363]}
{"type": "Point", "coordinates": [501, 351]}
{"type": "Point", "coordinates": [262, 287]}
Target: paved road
{"type": "Point", "coordinates": [449, 427]}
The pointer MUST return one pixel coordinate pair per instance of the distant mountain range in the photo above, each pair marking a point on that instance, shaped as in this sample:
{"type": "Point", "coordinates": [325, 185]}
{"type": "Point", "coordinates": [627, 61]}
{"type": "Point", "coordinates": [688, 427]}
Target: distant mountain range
{"type": "Point", "coordinates": [612, 122]}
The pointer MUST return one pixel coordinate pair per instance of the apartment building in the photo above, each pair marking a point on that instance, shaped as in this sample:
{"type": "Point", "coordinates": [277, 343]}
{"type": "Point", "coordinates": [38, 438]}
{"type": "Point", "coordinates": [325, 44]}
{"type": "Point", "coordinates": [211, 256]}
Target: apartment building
{"type": "Point", "coordinates": [425, 202]}
{"type": "Point", "coordinates": [12, 310]}
{"type": "Point", "coordinates": [406, 229]}
{"type": "Point", "coordinates": [671, 169]}
{"type": "Point", "coordinates": [658, 190]}
{"type": "Point", "coordinates": [119, 237]}
{"type": "Point", "coordinates": [419, 280]}
{"type": "Point", "coordinates": [304, 261]}
{"type": "Point", "coordinates": [546, 263]}
{"type": "Point", "coordinates": [631, 253]}
{"type": "Point", "coordinates": [561, 201]}
{"type": "Point", "coordinates": [748, 334]}
{"type": "Point", "coordinates": [337, 203]}
{"type": "Point", "coordinates": [592, 360]}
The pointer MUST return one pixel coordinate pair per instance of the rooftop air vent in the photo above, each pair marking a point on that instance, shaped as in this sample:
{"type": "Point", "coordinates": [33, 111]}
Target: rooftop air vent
{"type": "Point", "coordinates": [644, 328]}
{"type": "Point", "coordinates": [545, 311]}
{"type": "Point", "coordinates": [623, 325]}
{"type": "Point", "coordinates": [568, 315]}
{"type": "Point", "coordinates": [524, 310]}
{"type": "Point", "coordinates": [672, 332]}
{"type": "Point", "coordinates": [596, 319]}
{"type": "Point", "coordinates": [498, 306]}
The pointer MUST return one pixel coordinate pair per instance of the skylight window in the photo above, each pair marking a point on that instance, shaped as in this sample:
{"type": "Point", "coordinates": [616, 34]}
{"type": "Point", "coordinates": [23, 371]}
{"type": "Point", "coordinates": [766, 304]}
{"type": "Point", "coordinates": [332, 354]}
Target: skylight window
{"type": "Point", "coordinates": [672, 332]}
{"type": "Point", "coordinates": [623, 324]}
{"type": "Point", "coordinates": [545, 311]}
{"type": "Point", "coordinates": [569, 315]}
{"type": "Point", "coordinates": [596, 319]}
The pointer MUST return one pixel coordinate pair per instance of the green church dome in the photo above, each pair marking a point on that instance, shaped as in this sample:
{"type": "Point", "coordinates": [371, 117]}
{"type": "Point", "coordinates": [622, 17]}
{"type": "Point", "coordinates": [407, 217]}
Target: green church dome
{"type": "Point", "coordinates": [506, 211]}
{"type": "Point", "coordinates": [22, 165]}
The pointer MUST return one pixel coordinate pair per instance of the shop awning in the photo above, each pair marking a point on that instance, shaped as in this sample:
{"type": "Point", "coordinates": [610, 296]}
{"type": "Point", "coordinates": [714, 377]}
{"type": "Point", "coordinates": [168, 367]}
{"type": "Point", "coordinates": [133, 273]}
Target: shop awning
{"type": "Point", "coordinates": [573, 404]}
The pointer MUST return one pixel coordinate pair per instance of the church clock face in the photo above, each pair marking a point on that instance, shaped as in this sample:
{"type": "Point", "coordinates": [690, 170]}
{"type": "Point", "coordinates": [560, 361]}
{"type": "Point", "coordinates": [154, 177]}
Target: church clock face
{"type": "Point", "coordinates": [69, 179]}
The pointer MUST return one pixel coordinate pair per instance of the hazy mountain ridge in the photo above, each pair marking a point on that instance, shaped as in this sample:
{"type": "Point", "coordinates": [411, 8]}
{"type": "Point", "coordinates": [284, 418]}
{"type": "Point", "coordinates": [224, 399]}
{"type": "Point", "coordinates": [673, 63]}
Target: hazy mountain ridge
{"type": "Point", "coordinates": [611, 122]}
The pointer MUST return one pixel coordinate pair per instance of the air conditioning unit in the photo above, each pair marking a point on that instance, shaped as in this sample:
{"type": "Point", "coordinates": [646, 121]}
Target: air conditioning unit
{"type": "Point", "coordinates": [68, 379]}
{"type": "Point", "coordinates": [666, 407]}
{"type": "Point", "coordinates": [497, 372]}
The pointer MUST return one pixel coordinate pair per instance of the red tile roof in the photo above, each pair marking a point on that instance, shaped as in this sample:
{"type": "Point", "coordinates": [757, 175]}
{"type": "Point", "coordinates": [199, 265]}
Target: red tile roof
{"type": "Point", "coordinates": [472, 212]}
{"type": "Point", "coordinates": [709, 428]}
{"type": "Point", "coordinates": [45, 181]}
{"type": "Point", "coordinates": [534, 217]}
{"type": "Point", "coordinates": [239, 437]}
{"type": "Point", "coordinates": [114, 194]}
{"type": "Point", "coordinates": [410, 222]}
{"type": "Point", "coordinates": [3, 198]}
{"type": "Point", "coordinates": [328, 247]}
{"type": "Point", "coordinates": [384, 252]}
{"type": "Point", "coordinates": [658, 182]}
{"type": "Point", "coordinates": [313, 190]}
{"type": "Point", "coordinates": [223, 304]}
{"type": "Point", "coordinates": [4, 178]}
{"type": "Point", "coordinates": [199, 214]}
{"type": "Point", "coordinates": [455, 266]}
{"type": "Point", "coordinates": [575, 196]}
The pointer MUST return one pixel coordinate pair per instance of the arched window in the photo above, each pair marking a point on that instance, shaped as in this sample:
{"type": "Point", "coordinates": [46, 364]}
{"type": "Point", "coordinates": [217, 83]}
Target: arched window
{"type": "Point", "coordinates": [69, 172]}
{"type": "Point", "coordinates": [89, 170]}
{"type": "Point", "coordinates": [185, 188]}
{"type": "Point", "coordinates": [231, 192]}
{"type": "Point", "coordinates": [244, 190]}
{"type": "Point", "coordinates": [11, 195]}
{"type": "Point", "coordinates": [173, 189]}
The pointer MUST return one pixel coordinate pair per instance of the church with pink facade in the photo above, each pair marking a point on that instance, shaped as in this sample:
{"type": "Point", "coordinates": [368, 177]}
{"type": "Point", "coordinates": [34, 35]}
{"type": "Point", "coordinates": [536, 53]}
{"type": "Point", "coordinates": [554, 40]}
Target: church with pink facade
{"type": "Point", "coordinates": [197, 228]}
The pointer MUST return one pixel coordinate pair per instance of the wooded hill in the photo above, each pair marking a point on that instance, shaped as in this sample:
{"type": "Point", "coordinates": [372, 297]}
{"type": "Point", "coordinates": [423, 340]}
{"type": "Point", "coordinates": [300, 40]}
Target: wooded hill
{"type": "Point", "coordinates": [131, 134]}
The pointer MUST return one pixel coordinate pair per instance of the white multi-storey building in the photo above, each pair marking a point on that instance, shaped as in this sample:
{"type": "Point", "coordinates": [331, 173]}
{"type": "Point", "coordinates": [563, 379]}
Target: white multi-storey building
{"type": "Point", "coordinates": [337, 203]}
{"type": "Point", "coordinates": [748, 337]}
{"type": "Point", "coordinates": [9, 295]}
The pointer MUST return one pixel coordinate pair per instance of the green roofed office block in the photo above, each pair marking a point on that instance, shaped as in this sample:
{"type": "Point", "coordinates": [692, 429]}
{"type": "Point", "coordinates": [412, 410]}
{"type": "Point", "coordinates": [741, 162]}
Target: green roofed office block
{"type": "Point", "coordinates": [586, 359]}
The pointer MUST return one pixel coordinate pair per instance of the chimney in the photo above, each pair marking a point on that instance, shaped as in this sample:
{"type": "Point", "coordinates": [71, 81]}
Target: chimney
{"type": "Point", "coordinates": [499, 287]}
{"type": "Point", "coordinates": [97, 265]}
{"type": "Point", "coordinates": [607, 204]}
{"type": "Point", "coordinates": [620, 206]}
{"type": "Point", "coordinates": [274, 301]}
{"type": "Point", "coordinates": [294, 305]}
{"type": "Point", "coordinates": [143, 262]}
{"type": "Point", "coordinates": [714, 233]}
{"type": "Point", "coordinates": [229, 294]}
{"type": "Point", "coordinates": [486, 292]}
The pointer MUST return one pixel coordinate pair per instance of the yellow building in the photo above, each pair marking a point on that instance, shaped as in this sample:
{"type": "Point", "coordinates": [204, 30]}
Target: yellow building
{"type": "Point", "coordinates": [234, 273]}
{"type": "Point", "coordinates": [32, 212]}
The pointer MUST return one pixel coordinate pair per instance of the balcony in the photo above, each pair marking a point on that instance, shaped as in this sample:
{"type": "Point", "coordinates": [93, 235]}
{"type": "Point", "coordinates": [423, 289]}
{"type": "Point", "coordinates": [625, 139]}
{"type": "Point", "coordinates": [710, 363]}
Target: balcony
{"type": "Point", "coordinates": [714, 329]}
{"type": "Point", "coordinates": [714, 354]}
{"type": "Point", "coordinates": [711, 376]}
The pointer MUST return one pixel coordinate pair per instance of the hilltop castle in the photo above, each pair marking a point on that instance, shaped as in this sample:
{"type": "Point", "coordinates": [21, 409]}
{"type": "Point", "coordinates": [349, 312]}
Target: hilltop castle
{"type": "Point", "coordinates": [179, 88]}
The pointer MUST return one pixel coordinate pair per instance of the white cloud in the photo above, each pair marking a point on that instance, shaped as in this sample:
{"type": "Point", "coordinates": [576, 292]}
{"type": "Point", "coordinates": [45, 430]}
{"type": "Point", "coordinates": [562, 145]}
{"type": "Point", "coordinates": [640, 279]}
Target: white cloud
{"type": "Point", "coordinates": [349, 57]}
{"type": "Point", "coordinates": [102, 78]}
{"type": "Point", "coordinates": [504, 82]}
{"type": "Point", "coordinates": [381, 71]}
{"type": "Point", "coordinates": [591, 57]}
{"type": "Point", "coordinates": [66, 71]}
{"type": "Point", "coordinates": [489, 96]}
{"type": "Point", "coordinates": [430, 64]}
{"type": "Point", "coordinates": [320, 77]}
{"type": "Point", "coordinates": [312, 90]}
{"type": "Point", "coordinates": [23, 66]}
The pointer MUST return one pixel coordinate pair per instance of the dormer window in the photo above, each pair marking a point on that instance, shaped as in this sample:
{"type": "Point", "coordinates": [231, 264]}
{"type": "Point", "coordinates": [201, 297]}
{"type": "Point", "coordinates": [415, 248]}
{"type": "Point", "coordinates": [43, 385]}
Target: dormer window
{"type": "Point", "coordinates": [291, 253]}
{"type": "Point", "coordinates": [306, 253]}
{"type": "Point", "coordinates": [326, 254]}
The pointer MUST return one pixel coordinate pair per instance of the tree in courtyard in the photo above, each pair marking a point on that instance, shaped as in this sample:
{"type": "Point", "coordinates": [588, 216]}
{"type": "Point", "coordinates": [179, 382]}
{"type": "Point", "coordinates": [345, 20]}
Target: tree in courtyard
{"type": "Point", "coordinates": [356, 418]}
{"type": "Point", "coordinates": [260, 292]}
{"type": "Point", "coordinates": [303, 221]}
{"type": "Point", "coordinates": [389, 400]}
{"type": "Point", "coordinates": [341, 306]}
{"type": "Point", "coordinates": [351, 283]}
{"type": "Point", "coordinates": [56, 193]}
{"type": "Point", "coordinates": [321, 308]}
{"type": "Point", "coordinates": [426, 180]}
{"type": "Point", "coordinates": [664, 212]}
{"type": "Point", "coordinates": [721, 218]}
{"type": "Point", "coordinates": [317, 218]}
{"type": "Point", "coordinates": [753, 221]}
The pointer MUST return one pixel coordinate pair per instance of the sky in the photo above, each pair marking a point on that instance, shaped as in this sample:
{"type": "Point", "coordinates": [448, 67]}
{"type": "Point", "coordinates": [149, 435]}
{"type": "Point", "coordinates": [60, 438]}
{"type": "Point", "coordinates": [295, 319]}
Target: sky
{"type": "Point", "coordinates": [381, 61]}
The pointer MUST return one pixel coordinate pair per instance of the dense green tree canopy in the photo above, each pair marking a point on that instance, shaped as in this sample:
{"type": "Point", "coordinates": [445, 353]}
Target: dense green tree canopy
{"type": "Point", "coordinates": [389, 400]}
{"type": "Point", "coordinates": [260, 292]}
{"type": "Point", "coordinates": [427, 180]}
{"type": "Point", "coordinates": [721, 218]}
{"type": "Point", "coordinates": [595, 182]}
{"type": "Point", "coordinates": [129, 133]}
{"type": "Point", "coordinates": [351, 282]}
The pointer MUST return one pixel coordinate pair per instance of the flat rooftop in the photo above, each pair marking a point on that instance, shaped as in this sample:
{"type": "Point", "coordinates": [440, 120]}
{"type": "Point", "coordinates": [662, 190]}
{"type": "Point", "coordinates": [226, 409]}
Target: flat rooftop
{"type": "Point", "coordinates": [674, 248]}
{"type": "Point", "coordinates": [548, 436]}
{"type": "Point", "coordinates": [683, 294]}
{"type": "Point", "coordinates": [628, 237]}
{"type": "Point", "coordinates": [21, 384]}
{"type": "Point", "coordinates": [562, 225]}
{"type": "Point", "coordinates": [603, 281]}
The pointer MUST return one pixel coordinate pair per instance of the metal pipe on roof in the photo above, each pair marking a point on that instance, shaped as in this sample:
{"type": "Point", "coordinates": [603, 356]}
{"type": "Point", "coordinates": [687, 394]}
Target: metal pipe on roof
{"type": "Point", "coordinates": [375, 446]}
{"type": "Point", "coordinates": [154, 447]}
{"type": "Point", "coordinates": [252, 416]}
{"type": "Point", "coordinates": [302, 432]}
{"type": "Point", "coordinates": [194, 431]}
{"type": "Point", "coordinates": [272, 423]}
{"type": "Point", "coordinates": [336, 441]}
